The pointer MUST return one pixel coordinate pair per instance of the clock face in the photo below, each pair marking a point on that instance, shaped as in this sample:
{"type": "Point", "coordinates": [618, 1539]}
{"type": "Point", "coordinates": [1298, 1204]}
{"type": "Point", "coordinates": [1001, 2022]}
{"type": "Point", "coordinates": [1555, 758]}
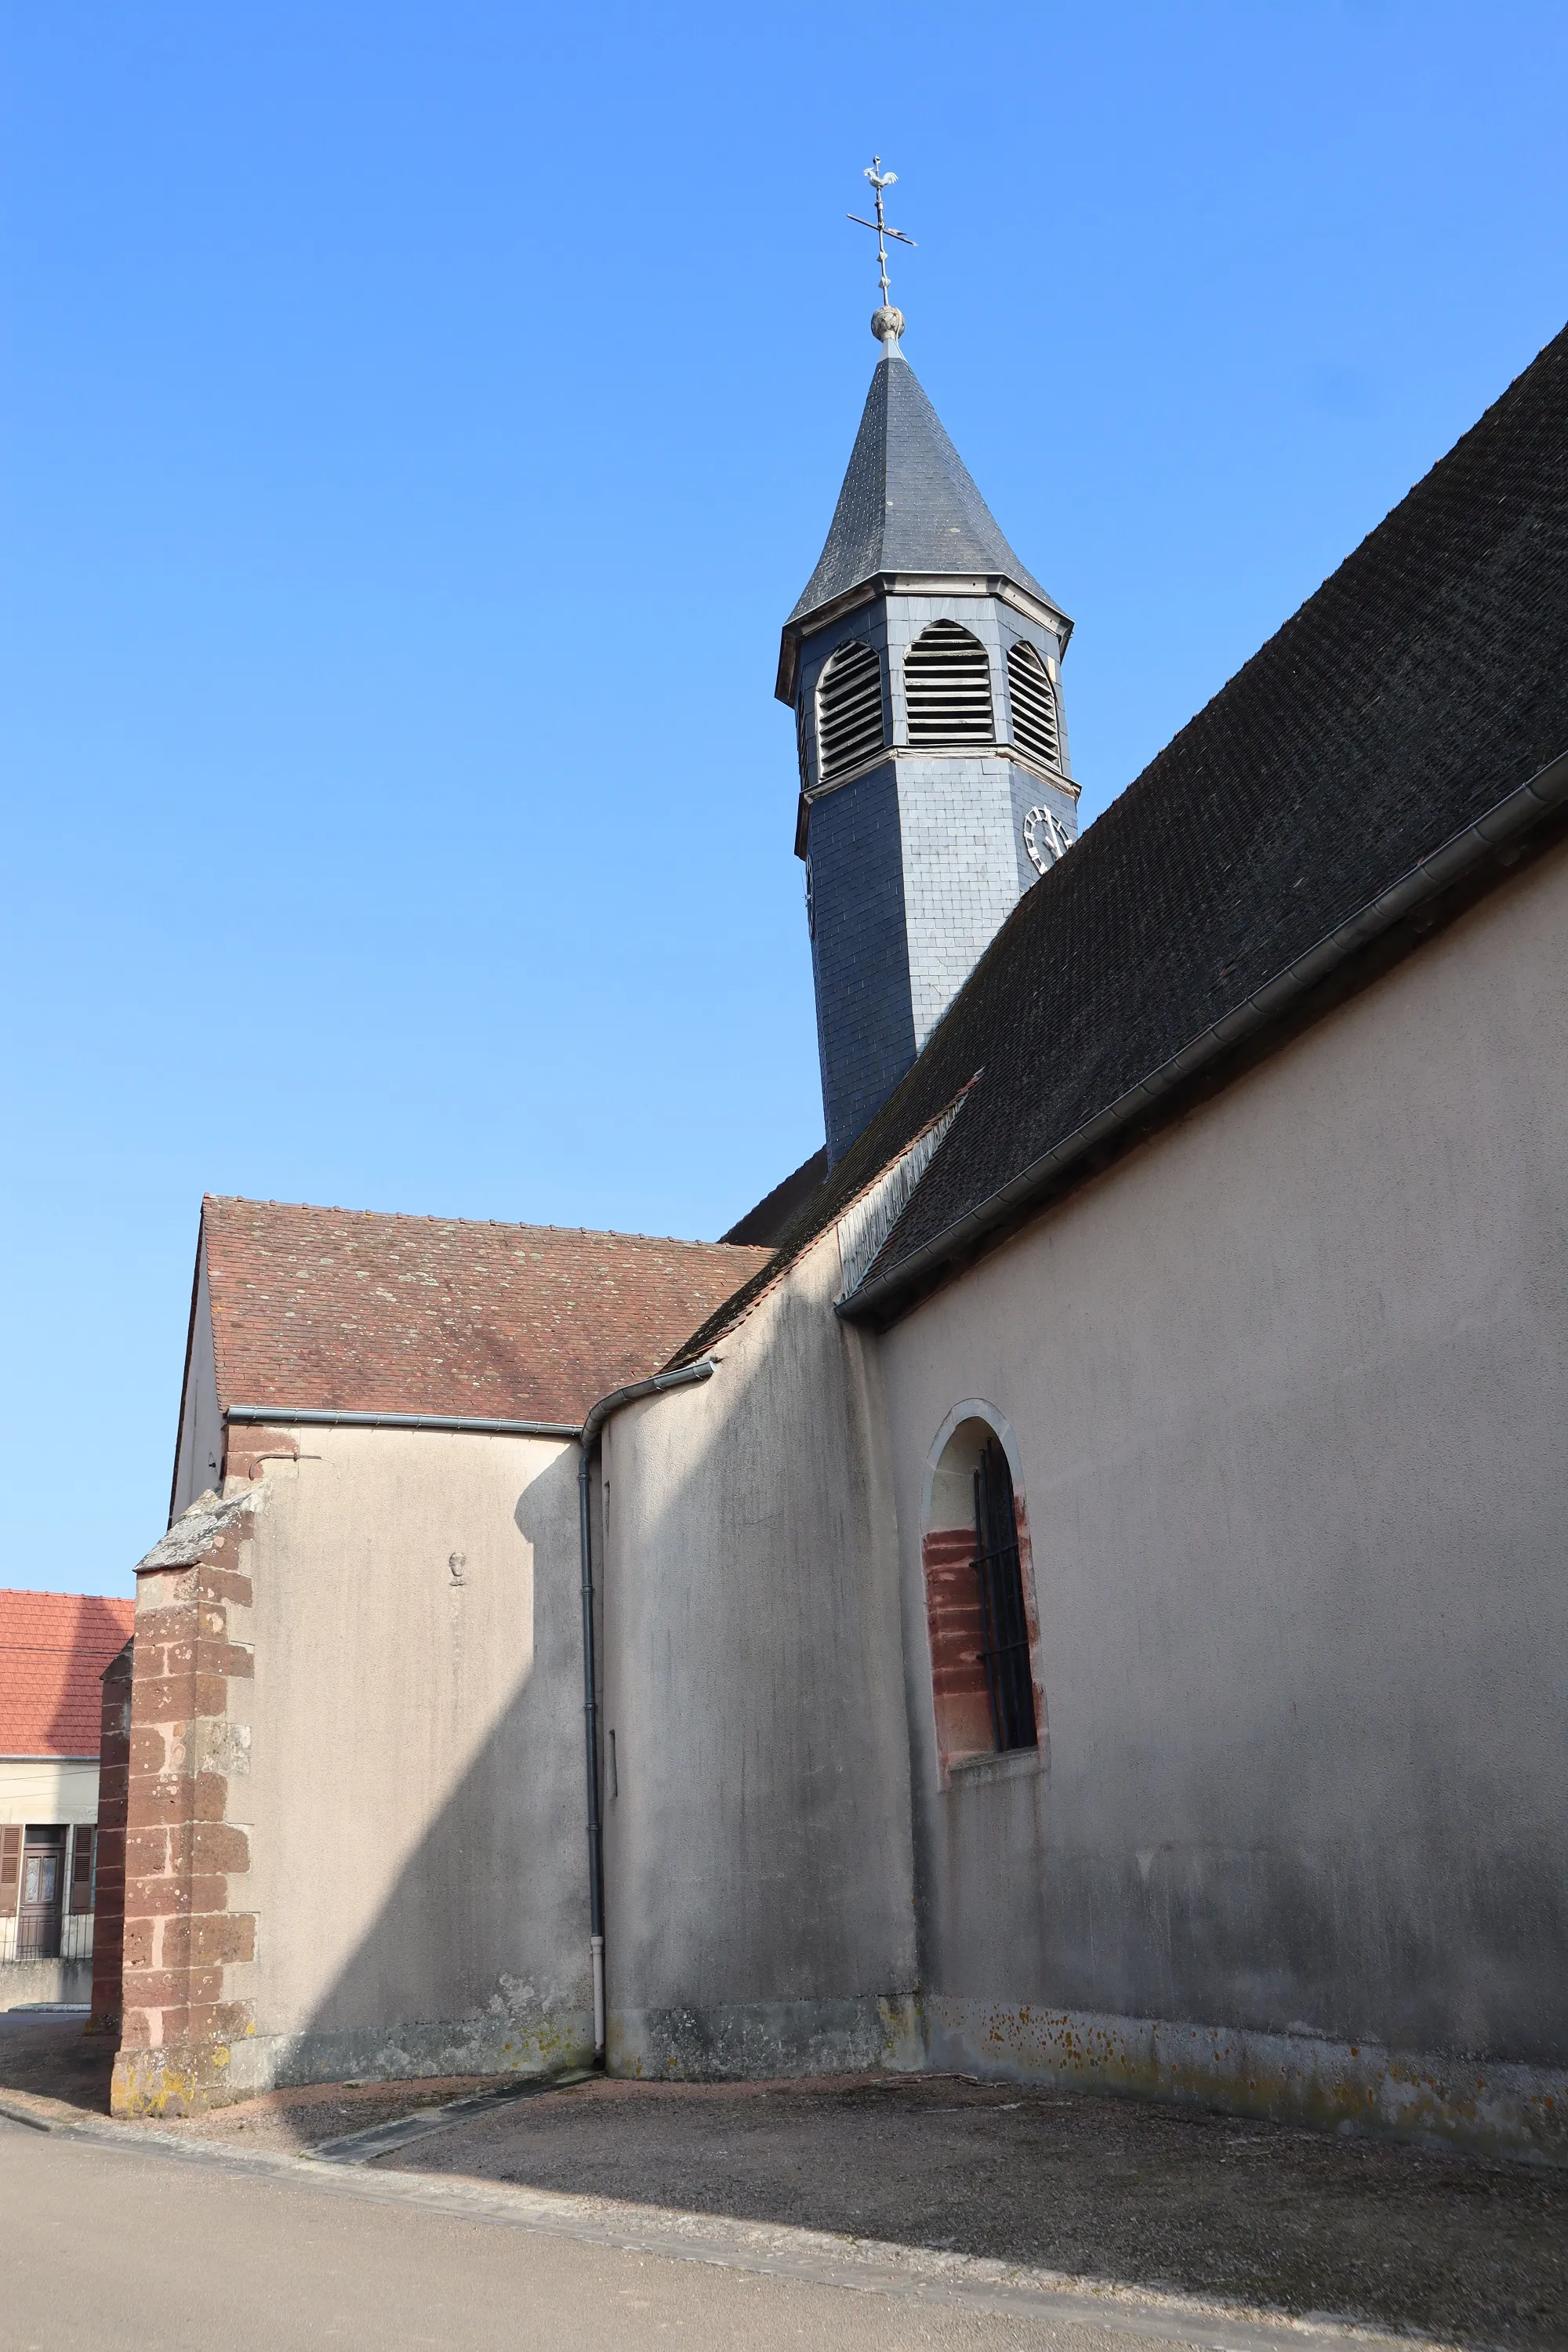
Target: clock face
{"type": "Point", "coordinates": [1044, 839]}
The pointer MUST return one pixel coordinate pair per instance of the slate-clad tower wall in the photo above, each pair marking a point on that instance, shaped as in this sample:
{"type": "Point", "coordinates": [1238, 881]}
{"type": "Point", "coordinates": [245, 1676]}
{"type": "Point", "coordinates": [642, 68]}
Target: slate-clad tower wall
{"type": "Point", "coordinates": [859, 951]}
{"type": "Point", "coordinates": [918, 849]}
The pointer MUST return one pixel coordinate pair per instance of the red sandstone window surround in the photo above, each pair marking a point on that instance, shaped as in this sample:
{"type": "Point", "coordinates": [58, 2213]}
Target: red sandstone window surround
{"type": "Point", "coordinates": [981, 1615]}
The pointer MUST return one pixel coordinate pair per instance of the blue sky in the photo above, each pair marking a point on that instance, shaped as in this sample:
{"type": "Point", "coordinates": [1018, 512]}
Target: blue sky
{"type": "Point", "coordinates": [418, 422]}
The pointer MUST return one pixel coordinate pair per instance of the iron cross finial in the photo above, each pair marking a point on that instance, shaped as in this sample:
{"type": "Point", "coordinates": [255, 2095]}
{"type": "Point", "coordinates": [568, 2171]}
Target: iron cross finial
{"type": "Point", "coordinates": [889, 324]}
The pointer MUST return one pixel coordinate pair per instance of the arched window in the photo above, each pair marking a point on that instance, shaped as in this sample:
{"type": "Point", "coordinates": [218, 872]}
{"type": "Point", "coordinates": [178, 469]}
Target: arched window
{"type": "Point", "coordinates": [848, 710]}
{"type": "Point", "coordinates": [947, 687]}
{"type": "Point", "coordinates": [978, 1608]}
{"type": "Point", "coordinates": [1033, 701]}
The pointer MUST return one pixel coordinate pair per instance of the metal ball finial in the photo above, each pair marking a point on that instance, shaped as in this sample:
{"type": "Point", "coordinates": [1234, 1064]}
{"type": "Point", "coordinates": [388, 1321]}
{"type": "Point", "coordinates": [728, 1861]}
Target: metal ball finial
{"type": "Point", "coordinates": [888, 323]}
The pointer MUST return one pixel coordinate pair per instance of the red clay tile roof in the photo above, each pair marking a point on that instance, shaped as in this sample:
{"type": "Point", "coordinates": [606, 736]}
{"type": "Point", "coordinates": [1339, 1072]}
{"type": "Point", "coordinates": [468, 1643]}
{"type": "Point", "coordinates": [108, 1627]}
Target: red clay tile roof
{"type": "Point", "coordinates": [53, 1648]}
{"type": "Point", "coordinates": [332, 1309]}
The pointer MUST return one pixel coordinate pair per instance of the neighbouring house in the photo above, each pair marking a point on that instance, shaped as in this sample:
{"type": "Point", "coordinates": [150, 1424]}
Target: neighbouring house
{"type": "Point", "coordinates": [1074, 1589]}
{"type": "Point", "coordinates": [53, 1649]}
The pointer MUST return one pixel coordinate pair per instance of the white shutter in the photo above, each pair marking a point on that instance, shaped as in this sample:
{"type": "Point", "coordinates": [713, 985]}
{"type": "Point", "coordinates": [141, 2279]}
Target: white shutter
{"type": "Point", "coordinates": [849, 711]}
{"type": "Point", "coordinates": [947, 687]}
{"type": "Point", "coordinates": [1033, 701]}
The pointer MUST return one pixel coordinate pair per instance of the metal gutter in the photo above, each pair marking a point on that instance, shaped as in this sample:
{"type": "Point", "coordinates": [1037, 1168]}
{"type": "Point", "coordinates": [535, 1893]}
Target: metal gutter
{"type": "Point", "coordinates": [310, 1418]}
{"type": "Point", "coordinates": [683, 1378]}
{"type": "Point", "coordinates": [1507, 818]}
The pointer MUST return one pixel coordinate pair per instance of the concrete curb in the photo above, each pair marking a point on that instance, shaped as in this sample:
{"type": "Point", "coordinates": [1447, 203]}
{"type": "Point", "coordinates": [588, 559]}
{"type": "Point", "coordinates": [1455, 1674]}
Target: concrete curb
{"type": "Point", "coordinates": [970, 2282]}
{"type": "Point", "coordinates": [381, 2140]}
{"type": "Point", "coordinates": [41, 2114]}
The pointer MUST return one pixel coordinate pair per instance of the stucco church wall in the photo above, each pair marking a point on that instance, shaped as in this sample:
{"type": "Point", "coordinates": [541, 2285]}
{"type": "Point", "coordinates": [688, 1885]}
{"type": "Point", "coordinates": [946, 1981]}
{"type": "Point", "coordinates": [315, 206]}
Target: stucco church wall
{"type": "Point", "coordinates": [1288, 1389]}
{"type": "Point", "coordinates": [759, 1914]}
{"type": "Point", "coordinates": [414, 1792]}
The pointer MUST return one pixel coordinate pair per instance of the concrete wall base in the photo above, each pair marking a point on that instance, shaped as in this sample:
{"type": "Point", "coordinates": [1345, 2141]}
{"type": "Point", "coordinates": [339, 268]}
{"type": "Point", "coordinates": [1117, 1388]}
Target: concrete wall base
{"type": "Point", "coordinates": [1490, 2109]}
{"type": "Point", "coordinates": [25, 1982]}
{"type": "Point", "coordinates": [767, 2039]}
{"type": "Point", "coordinates": [179, 2079]}
{"type": "Point", "coordinates": [184, 2079]}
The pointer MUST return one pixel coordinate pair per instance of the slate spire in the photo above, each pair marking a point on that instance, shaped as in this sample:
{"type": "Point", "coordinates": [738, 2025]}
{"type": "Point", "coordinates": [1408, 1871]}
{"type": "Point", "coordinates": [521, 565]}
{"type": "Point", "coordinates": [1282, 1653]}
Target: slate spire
{"type": "Point", "coordinates": [909, 504]}
{"type": "Point", "coordinates": [923, 666]}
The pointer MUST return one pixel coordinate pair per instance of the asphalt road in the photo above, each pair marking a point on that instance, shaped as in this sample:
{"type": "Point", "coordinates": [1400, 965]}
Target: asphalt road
{"type": "Point", "coordinates": [193, 2249]}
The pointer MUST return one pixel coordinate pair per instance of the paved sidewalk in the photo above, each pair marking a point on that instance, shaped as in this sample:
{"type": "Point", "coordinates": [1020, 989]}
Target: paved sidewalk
{"type": "Point", "coordinates": [49, 2062]}
{"type": "Point", "coordinates": [115, 2245]}
{"type": "Point", "coordinates": [1109, 2192]}
{"type": "Point", "coordinates": [1104, 2190]}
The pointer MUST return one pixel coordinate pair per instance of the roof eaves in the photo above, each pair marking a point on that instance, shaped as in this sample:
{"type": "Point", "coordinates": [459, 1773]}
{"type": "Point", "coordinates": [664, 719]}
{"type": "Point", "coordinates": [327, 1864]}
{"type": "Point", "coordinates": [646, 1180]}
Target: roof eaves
{"type": "Point", "coordinates": [1023, 594]}
{"type": "Point", "coordinates": [1461, 870]}
{"type": "Point", "coordinates": [856, 1176]}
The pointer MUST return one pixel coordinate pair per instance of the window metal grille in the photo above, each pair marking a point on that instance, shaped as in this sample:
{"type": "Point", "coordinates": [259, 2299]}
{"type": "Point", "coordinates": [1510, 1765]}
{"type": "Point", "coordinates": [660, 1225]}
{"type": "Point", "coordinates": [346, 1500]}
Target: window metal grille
{"type": "Point", "coordinates": [1033, 701]}
{"type": "Point", "coordinates": [947, 687]}
{"type": "Point", "coordinates": [26, 1941]}
{"type": "Point", "coordinates": [1010, 1681]}
{"type": "Point", "coordinates": [849, 711]}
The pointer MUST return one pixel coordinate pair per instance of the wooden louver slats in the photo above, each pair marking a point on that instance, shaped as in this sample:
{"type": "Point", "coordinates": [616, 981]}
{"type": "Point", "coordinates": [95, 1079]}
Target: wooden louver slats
{"type": "Point", "coordinates": [1033, 701]}
{"type": "Point", "coordinates": [10, 1871]}
{"type": "Point", "coordinates": [82, 1843]}
{"type": "Point", "coordinates": [947, 687]}
{"type": "Point", "coordinates": [848, 710]}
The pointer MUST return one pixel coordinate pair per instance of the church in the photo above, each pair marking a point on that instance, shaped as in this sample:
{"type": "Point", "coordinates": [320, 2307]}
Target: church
{"type": "Point", "coordinates": [1073, 1588]}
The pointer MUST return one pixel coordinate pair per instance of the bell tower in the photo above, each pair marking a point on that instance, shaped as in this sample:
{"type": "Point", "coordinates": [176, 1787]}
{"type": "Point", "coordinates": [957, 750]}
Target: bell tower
{"type": "Point", "coordinates": [923, 666]}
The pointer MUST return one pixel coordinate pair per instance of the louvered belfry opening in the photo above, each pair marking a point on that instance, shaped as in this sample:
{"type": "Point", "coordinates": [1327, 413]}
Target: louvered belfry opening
{"type": "Point", "coordinates": [848, 710]}
{"type": "Point", "coordinates": [947, 687]}
{"type": "Point", "coordinates": [1009, 1683]}
{"type": "Point", "coordinates": [1033, 701]}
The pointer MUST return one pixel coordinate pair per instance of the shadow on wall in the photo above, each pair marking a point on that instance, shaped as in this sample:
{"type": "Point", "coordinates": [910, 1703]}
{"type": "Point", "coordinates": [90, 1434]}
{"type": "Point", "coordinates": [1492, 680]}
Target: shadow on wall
{"type": "Point", "coordinates": [477, 1961]}
{"type": "Point", "coordinates": [756, 1795]}
{"type": "Point", "coordinates": [760, 1918]}
{"type": "Point", "coordinates": [764, 1882]}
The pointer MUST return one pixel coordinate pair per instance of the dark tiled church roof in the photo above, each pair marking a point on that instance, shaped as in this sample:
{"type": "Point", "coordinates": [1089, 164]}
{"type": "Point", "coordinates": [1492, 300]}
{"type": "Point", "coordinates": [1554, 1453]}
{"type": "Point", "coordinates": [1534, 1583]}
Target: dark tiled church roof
{"type": "Point", "coordinates": [908, 503]}
{"type": "Point", "coordinates": [346, 1311]}
{"type": "Point", "coordinates": [1423, 681]}
{"type": "Point", "coordinates": [769, 1220]}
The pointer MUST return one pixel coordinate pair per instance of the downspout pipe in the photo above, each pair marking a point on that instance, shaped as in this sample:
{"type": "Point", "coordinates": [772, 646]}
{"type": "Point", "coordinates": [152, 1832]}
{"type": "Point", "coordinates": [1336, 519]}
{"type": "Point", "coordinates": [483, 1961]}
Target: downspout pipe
{"type": "Point", "coordinates": [588, 1436]}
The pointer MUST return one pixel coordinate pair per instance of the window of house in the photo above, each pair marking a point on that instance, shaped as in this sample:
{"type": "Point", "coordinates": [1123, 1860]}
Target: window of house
{"type": "Point", "coordinates": [1033, 701]}
{"type": "Point", "coordinates": [979, 1601]}
{"type": "Point", "coordinates": [947, 687]}
{"type": "Point", "coordinates": [848, 710]}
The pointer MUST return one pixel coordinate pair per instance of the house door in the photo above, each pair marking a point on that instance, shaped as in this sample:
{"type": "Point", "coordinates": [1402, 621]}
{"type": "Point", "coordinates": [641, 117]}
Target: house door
{"type": "Point", "coordinates": [38, 1923]}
